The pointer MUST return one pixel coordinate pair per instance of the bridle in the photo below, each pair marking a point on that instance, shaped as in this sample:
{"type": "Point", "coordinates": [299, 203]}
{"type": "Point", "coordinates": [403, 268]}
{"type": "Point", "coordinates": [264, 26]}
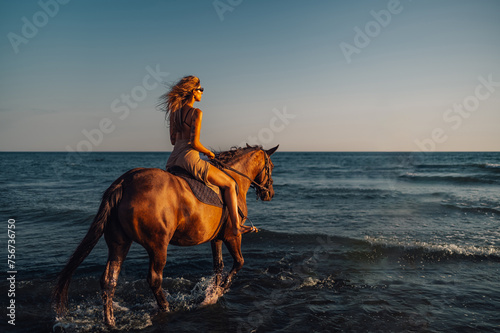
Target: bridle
{"type": "Point", "coordinates": [264, 188]}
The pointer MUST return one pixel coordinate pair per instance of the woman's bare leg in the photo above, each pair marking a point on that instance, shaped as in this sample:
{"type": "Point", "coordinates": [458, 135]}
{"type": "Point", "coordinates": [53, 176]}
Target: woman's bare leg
{"type": "Point", "coordinates": [219, 178]}
{"type": "Point", "coordinates": [232, 203]}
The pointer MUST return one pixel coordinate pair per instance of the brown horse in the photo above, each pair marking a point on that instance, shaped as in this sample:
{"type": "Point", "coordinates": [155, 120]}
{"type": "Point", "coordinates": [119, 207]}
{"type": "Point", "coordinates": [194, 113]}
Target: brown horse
{"type": "Point", "coordinates": [154, 208]}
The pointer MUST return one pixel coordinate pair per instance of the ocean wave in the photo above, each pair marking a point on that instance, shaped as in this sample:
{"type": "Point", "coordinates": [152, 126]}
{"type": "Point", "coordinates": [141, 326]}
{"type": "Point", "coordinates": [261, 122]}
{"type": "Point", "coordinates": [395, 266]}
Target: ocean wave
{"type": "Point", "coordinates": [440, 250]}
{"type": "Point", "coordinates": [307, 239]}
{"type": "Point", "coordinates": [283, 269]}
{"type": "Point", "coordinates": [473, 208]}
{"type": "Point", "coordinates": [364, 248]}
{"type": "Point", "coordinates": [453, 178]}
{"type": "Point", "coordinates": [332, 191]}
{"type": "Point", "coordinates": [59, 216]}
{"type": "Point", "coordinates": [457, 166]}
{"type": "Point", "coordinates": [349, 193]}
{"type": "Point", "coordinates": [318, 242]}
{"type": "Point", "coordinates": [440, 166]}
{"type": "Point", "coordinates": [492, 167]}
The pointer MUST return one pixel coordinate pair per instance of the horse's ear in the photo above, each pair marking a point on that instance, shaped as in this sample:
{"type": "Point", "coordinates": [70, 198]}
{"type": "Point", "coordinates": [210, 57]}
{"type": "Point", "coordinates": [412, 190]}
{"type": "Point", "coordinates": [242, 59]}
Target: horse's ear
{"type": "Point", "coordinates": [248, 146]}
{"type": "Point", "coordinates": [272, 150]}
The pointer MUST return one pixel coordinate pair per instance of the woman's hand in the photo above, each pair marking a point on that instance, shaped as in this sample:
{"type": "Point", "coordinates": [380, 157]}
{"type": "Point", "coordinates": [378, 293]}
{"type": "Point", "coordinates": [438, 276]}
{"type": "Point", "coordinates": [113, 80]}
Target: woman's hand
{"type": "Point", "coordinates": [210, 155]}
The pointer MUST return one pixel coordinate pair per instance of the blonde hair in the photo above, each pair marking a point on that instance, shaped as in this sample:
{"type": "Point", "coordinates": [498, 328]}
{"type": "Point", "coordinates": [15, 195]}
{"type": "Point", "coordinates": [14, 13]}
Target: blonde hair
{"type": "Point", "coordinates": [173, 100]}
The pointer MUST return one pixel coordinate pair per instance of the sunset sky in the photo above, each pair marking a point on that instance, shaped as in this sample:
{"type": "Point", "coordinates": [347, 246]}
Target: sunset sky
{"type": "Point", "coordinates": [308, 75]}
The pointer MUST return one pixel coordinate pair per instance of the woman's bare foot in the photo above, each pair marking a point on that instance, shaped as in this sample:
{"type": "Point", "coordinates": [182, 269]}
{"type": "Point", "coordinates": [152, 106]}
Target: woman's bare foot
{"type": "Point", "coordinates": [246, 229]}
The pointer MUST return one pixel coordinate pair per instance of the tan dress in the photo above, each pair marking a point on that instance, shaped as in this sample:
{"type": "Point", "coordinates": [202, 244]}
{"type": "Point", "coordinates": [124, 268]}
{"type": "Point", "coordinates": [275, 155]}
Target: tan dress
{"type": "Point", "coordinates": [189, 159]}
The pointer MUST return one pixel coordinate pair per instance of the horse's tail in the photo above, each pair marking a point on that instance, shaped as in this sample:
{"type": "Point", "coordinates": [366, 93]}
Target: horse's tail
{"type": "Point", "coordinates": [110, 199]}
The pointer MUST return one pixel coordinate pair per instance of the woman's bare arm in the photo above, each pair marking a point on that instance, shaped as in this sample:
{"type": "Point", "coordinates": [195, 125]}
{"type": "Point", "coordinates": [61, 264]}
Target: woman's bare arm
{"type": "Point", "coordinates": [195, 134]}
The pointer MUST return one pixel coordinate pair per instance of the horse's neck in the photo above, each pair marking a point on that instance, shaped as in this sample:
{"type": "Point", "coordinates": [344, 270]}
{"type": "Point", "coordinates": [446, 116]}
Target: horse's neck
{"type": "Point", "coordinates": [248, 166]}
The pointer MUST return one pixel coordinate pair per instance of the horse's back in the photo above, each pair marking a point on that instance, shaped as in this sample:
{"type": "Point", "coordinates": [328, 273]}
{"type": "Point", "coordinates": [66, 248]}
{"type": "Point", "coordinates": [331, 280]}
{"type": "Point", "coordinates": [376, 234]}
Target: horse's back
{"type": "Point", "coordinates": [147, 180]}
{"type": "Point", "coordinates": [158, 205]}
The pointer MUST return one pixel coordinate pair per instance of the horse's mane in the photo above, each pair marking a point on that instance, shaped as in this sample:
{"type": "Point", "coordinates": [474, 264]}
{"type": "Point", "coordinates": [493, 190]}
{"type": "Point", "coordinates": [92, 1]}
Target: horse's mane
{"type": "Point", "coordinates": [235, 153]}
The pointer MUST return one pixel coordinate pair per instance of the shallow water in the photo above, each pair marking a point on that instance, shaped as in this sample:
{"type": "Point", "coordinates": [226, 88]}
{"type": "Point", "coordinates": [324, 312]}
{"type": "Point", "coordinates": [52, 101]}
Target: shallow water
{"type": "Point", "coordinates": [379, 242]}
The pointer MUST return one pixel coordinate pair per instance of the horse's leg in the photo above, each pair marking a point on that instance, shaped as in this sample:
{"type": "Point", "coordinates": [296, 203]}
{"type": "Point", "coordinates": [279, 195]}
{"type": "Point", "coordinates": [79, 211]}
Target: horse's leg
{"type": "Point", "coordinates": [157, 260]}
{"type": "Point", "coordinates": [218, 262]}
{"type": "Point", "coordinates": [234, 247]}
{"type": "Point", "coordinates": [117, 251]}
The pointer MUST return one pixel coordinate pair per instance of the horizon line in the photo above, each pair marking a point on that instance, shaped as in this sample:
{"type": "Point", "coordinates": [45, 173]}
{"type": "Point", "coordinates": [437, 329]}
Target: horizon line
{"type": "Point", "coordinates": [279, 151]}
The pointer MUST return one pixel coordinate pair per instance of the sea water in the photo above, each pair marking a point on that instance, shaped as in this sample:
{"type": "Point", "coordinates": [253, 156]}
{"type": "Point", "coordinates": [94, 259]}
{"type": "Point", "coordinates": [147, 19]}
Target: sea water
{"type": "Point", "coordinates": [353, 242]}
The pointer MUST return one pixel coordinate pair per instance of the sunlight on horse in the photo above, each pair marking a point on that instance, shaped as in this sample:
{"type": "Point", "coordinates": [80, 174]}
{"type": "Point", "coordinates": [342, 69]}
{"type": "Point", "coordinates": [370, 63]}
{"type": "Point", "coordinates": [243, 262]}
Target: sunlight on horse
{"type": "Point", "coordinates": [155, 208]}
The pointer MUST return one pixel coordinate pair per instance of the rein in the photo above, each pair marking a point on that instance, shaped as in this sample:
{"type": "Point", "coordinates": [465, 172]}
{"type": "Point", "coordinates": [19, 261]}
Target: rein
{"type": "Point", "coordinates": [254, 184]}
{"type": "Point", "coordinates": [259, 188]}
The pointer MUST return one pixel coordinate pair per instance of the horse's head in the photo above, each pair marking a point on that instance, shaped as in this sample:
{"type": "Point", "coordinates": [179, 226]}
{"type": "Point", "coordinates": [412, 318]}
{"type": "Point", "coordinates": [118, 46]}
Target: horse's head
{"type": "Point", "coordinates": [253, 163]}
{"type": "Point", "coordinates": [263, 181]}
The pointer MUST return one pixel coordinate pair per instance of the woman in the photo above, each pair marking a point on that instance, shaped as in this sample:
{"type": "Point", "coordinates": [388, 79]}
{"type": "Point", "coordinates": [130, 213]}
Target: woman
{"type": "Point", "coordinates": [185, 127]}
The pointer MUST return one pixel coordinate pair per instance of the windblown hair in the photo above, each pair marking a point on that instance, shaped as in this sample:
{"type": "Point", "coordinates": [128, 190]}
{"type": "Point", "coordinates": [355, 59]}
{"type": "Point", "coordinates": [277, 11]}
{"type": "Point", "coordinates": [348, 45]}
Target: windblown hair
{"type": "Point", "coordinates": [234, 153]}
{"type": "Point", "coordinates": [173, 100]}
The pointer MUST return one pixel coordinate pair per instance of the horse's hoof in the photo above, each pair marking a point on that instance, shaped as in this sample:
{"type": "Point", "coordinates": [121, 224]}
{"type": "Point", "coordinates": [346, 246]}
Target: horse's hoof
{"type": "Point", "coordinates": [110, 322]}
{"type": "Point", "coordinates": [164, 309]}
{"type": "Point", "coordinates": [225, 285]}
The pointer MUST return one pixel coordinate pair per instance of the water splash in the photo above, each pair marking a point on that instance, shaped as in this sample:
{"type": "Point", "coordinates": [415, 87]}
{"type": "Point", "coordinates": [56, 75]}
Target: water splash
{"type": "Point", "coordinates": [204, 293]}
{"type": "Point", "coordinates": [88, 316]}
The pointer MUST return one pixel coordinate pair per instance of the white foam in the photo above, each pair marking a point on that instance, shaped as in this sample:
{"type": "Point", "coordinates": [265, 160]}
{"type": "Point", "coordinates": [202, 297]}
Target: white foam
{"type": "Point", "coordinates": [309, 282]}
{"type": "Point", "coordinates": [88, 316]}
{"type": "Point", "coordinates": [203, 293]}
{"type": "Point", "coordinates": [493, 165]}
{"type": "Point", "coordinates": [468, 250]}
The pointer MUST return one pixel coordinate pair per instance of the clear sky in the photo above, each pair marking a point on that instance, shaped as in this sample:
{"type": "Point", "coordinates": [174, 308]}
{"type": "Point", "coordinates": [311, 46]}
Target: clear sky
{"type": "Point", "coordinates": [308, 75]}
